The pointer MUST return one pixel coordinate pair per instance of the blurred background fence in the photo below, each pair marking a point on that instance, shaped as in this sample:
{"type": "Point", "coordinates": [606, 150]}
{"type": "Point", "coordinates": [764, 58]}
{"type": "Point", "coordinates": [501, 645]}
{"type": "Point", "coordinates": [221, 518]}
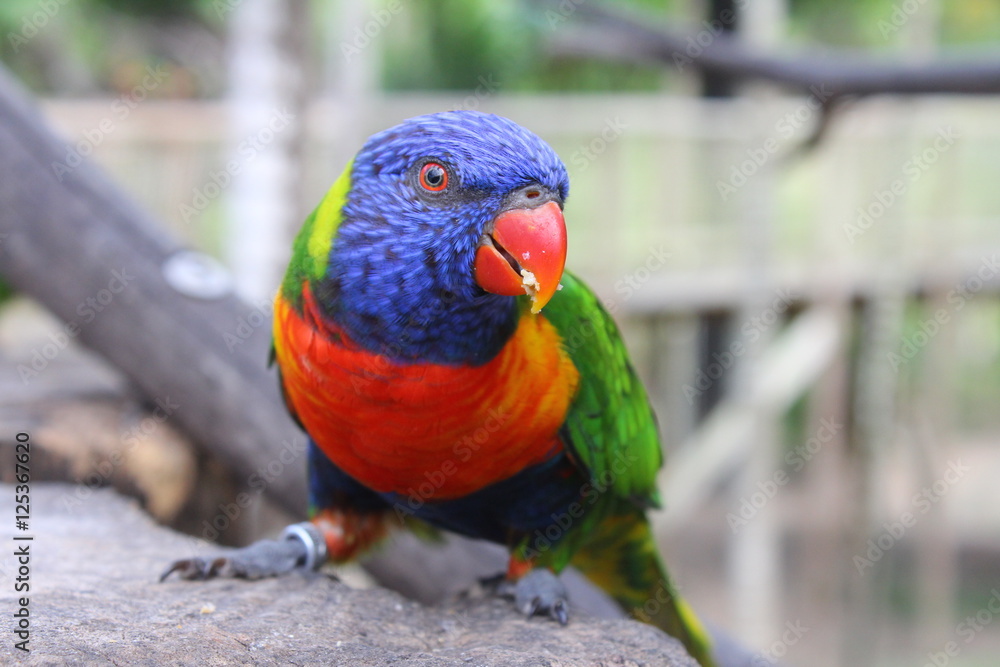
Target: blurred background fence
{"type": "Point", "coordinates": [818, 327]}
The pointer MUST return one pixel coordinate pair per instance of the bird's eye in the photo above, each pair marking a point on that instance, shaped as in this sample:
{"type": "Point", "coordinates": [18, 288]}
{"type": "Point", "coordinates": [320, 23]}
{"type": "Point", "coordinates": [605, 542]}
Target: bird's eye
{"type": "Point", "coordinates": [433, 177]}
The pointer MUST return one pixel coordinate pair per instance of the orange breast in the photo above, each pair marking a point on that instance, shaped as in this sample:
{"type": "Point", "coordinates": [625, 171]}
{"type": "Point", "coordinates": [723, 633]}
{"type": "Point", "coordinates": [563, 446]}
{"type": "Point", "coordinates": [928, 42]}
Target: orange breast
{"type": "Point", "coordinates": [425, 430]}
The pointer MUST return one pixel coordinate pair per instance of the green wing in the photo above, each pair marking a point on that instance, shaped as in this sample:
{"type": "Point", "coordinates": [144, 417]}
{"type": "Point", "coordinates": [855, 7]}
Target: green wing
{"type": "Point", "coordinates": [610, 427]}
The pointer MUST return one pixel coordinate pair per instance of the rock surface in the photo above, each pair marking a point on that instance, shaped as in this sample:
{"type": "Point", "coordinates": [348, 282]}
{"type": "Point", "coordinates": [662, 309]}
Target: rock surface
{"type": "Point", "coordinates": [94, 599]}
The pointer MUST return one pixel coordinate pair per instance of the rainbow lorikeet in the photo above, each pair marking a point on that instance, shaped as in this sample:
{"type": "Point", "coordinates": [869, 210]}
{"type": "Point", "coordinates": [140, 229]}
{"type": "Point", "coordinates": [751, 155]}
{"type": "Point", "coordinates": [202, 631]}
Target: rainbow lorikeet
{"type": "Point", "coordinates": [449, 372]}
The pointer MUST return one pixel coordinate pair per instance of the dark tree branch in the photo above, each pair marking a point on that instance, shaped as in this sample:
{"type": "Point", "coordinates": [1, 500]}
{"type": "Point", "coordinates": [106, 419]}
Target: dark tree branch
{"type": "Point", "coordinates": [73, 241]}
{"type": "Point", "coordinates": [713, 83]}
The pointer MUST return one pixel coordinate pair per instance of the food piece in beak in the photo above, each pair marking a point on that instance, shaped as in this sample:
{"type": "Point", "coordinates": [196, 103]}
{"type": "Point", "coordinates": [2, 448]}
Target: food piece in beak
{"type": "Point", "coordinates": [524, 253]}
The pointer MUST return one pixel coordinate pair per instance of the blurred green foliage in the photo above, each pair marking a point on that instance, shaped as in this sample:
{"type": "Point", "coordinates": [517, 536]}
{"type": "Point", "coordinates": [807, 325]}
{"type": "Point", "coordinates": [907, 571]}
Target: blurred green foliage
{"type": "Point", "coordinates": [81, 46]}
{"type": "Point", "coordinates": [879, 24]}
{"type": "Point", "coordinates": [451, 43]}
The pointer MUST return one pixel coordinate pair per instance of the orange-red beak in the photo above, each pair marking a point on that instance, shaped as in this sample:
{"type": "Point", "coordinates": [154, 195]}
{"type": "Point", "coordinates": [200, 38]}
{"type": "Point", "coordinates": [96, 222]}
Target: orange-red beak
{"type": "Point", "coordinates": [524, 254]}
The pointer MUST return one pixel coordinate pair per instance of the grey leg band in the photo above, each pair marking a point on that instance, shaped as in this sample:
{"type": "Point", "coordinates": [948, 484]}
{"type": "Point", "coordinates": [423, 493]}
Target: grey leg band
{"type": "Point", "coordinates": [313, 540]}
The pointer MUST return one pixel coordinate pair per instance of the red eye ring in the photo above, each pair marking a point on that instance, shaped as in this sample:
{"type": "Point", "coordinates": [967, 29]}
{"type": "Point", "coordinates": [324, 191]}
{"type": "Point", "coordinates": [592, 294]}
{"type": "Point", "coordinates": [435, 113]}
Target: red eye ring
{"type": "Point", "coordinates": [433, 177]}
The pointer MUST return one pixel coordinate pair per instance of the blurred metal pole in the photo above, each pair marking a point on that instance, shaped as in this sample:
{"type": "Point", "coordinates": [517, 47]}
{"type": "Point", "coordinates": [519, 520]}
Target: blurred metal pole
{"type": "Point", "coordinates": [921, 33]}
{"type": "Point", "coordinates": [876, 389]}
{"type": "Point", "coordinates": [722, 15]}
{"type": "Point", "coordinates": [763, 23]}
{"type": "Point", "coordinates": [934, 427]}
{"type": "Point", "coordinates": [267, 81]}
{"type": "Point", "coordinates": [352, 60]}
{"type": "Point", "coordinates": [755, 554]}
{"type": "Point", "coordinates": [935, 415]}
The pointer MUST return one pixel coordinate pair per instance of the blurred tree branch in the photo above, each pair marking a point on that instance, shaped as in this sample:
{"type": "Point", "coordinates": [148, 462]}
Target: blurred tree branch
{"type": "Point", "coordinates": [710, 50]}
{"type": "Point", "coordinates": [88, 253]}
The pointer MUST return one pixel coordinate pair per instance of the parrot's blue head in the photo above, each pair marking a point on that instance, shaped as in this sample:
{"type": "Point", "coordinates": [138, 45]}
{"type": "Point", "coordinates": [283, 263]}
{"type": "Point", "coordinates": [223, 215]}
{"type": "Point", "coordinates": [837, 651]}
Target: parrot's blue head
{"type": "Point", "coordinates": [448, 217]}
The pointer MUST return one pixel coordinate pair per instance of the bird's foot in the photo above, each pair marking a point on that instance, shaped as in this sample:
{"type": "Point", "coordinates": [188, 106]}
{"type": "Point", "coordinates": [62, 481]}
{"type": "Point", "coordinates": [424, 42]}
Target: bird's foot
{"type": "Point", "coordinates": [540, 591]}
{"type": "Point", "coordinates": [302, 546]}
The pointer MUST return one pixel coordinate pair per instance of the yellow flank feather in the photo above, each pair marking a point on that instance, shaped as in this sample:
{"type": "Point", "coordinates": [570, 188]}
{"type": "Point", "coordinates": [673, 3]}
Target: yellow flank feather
{"type": "Point", "coordinates": [620, 557]}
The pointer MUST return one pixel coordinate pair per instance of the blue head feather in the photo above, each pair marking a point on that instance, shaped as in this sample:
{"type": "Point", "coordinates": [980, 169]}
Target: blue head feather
{"type": "Point", "coordinates": [400, 279]}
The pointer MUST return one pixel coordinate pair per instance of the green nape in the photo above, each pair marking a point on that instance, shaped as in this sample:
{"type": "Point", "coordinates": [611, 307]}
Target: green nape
{"type": "Point", "coordinates": [311, 250]}
{"type": "Point", "coordinates": [610, 426]}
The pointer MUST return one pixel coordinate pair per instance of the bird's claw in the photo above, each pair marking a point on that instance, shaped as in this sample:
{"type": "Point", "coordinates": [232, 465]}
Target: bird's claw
{"type": "Point", "coordinates": [302, 546]}
{"type": "Point", "coordinates": [539, 592]}
{"type": "Point", "coordinates": [195, 568]}
{"type": "Point", "coordinates": [560, 612]}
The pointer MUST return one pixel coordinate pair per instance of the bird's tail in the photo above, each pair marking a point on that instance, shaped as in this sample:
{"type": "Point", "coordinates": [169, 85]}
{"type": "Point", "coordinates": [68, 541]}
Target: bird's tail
{"type": "Point", "coordinates": [621, 558]}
